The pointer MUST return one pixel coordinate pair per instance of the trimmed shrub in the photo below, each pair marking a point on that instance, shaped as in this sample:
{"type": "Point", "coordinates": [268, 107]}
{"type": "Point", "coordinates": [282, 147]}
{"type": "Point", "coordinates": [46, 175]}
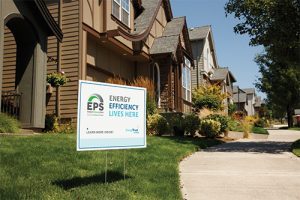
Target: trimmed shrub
{"type": "Point", "coordinates": [210, 128]}
{"type": "Point", "coordinates": [234, 125]}
{"type": "Point", "coordinates": [8, 124]}
{"type": "Point", "coordinates": [222, 119]}
{"type": "Point", "coordinates": [191, 124]}
{"type": "Point", "coordinates": [157, 125]}
{"type": "Point", "coordinates": [231, 108]}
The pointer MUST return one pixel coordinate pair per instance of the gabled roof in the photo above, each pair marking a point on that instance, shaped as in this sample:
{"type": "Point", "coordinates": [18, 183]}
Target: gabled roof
{"type": "Point", "coordinates": [46, 17]}
{"type": "Point", "coordinates": [169, 41]}
{"type": "Point", "coordinates": [199, 33]}
{"type": "Point", "coordinates": [249, 90]}
{"type": "Point", "coordinates": [236, 88]}
{"type": "Point", "coordinates": [143, 23]}
{"type": "Point", "coordinates": [240, 98]}
{"type": "Point", "coordinates": [221, 74]}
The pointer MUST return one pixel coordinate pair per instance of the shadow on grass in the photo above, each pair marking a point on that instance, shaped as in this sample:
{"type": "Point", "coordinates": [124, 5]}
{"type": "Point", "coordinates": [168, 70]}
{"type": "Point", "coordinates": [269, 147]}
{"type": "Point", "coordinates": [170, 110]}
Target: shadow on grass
{"type": "Point", "coordinates": [271, 147]}
{"type": "Point", "coordinates": [202, 143]}
{"type": "Point", "coordinates": [112, 176]}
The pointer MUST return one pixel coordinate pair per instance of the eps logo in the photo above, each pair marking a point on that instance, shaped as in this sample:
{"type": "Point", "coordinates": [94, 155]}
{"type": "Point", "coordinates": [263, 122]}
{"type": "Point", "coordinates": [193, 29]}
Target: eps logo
{"type": "Point", "coordinates": [95, 105]}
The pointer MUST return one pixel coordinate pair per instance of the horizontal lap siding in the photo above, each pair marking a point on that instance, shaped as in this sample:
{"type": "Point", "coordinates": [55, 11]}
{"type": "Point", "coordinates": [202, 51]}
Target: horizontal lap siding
{"type": "Point", "coordinates": [69, 60]}
{"type": "Point", "coordinates": [9, 61]}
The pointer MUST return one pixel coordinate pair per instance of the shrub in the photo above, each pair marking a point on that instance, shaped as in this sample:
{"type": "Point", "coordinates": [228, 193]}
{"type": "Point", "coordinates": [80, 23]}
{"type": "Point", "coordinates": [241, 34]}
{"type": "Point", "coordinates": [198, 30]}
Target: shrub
{"type": "Point", "coordinates": [238, 115]}
{"type": "Point", "coordinates": [157, 125]}
{"type": "Point", "coordinates": [223, 121]}
{"type": "Point", "coordinates": [116, 80]}
{"type": "Point", "coordinates": [8, 124]}
{"type": "Point", "coordinates": [246, 126]}
{"type": "Point", "coordinates": [261, 122]}
{"type": "Point", "coordinates": [234, 125]}
{"type": "Point", "coordinates": [52, 125]}
{"type": "Point", "coordinates": [191, 124]}
{"type": "Point", "coordinates": [259, 130]}
{"type": "Point", "coordinates": [231, 109]}
{"type": "Point", "coordinates": [210, 128]}
{"type": "Point", "coordinates": [57, 79]}
{"type": "Point", "coordinates": [176, 123]}
{"type": "Point", "coordinates": [208, 96]}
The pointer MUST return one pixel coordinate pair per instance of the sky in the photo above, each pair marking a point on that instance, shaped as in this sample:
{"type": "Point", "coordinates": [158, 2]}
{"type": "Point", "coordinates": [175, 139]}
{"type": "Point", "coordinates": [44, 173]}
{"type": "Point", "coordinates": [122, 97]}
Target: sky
{"type": "Point", "coordinates": [232, 49]}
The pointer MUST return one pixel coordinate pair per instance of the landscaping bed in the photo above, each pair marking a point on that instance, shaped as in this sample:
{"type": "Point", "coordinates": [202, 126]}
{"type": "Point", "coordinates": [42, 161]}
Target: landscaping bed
{"type": "Point", "coordinates": [48, 167]}
{"type": "Point", "coordinates": [296, 148]}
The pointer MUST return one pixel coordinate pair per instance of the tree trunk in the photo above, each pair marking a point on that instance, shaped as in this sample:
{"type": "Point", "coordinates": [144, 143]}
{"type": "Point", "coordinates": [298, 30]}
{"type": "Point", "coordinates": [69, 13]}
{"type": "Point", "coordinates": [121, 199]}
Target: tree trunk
{"type": "Point", "coordinates": [289, 113]}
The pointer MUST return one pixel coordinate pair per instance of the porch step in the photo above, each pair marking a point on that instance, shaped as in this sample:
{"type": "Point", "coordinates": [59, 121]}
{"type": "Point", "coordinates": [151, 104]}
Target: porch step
{"type": "Point", "coordinates": [26, 131]}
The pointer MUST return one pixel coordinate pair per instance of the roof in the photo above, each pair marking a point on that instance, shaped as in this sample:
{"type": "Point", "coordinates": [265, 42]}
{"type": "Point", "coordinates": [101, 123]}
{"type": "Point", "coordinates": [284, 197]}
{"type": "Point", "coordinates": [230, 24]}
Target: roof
{"type": "Point", "coordinates": [143, 21]}
{"type": "Point", "coordinates": [199, 33]}
{"type": "Point", "coordinates": [221, 74]}
{"type": "Point", "coordinates": [239, 98]}
{"type": "Point", "coordinates": [249, 90]}
{"type": "Point", "coordinates": [168, 42]}
{"type": "Point", "coordinates": [235, 89]}
{"type": "Point", "coordinates": [52, 26]}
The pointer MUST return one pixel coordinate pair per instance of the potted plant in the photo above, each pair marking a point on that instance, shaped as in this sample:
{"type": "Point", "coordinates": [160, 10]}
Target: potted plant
{"type": "Point", "coordinates": [57, 79]}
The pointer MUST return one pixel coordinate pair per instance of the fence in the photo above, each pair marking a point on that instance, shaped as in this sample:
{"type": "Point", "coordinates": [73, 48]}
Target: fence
{"type": "Point", "coordinates": [11, 103]}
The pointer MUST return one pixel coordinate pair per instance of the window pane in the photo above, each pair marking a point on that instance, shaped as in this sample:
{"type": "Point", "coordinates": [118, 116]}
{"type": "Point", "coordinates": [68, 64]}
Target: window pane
{"type": "Point", "coordinates": [125, 17]}
{"type": "Point", "coordinates": [188, 79]}
{"type": "Point", "coordinates": [183, 77]}
{"type": "Point", "coordinates": [125, 5]}
{"type": "Point", "coordinates": [116, 10]}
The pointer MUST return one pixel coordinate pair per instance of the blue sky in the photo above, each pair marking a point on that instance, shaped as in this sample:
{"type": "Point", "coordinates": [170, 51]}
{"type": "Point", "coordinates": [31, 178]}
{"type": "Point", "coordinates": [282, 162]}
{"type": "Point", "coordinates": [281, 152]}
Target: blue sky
{"type": "Point", "coordinates": [232, 50]}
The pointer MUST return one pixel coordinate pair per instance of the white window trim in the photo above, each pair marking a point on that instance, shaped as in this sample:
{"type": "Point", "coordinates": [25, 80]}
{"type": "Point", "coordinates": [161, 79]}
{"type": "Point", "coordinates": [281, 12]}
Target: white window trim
{"type": "Point", "coordinates": [120, 11]}
{"type": "Point", "coordinates": [188, 93]}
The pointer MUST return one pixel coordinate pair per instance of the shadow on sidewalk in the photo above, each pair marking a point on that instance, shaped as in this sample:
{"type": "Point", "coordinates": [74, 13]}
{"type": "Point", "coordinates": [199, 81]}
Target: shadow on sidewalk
{"type": "Point", "coordinates": [271, 147]}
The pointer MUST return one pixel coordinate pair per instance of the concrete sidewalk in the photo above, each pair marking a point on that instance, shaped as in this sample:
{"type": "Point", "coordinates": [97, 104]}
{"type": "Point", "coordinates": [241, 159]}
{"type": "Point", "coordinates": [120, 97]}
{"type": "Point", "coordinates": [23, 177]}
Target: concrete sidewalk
{"type": "Point", "coordinates": [244, 169]}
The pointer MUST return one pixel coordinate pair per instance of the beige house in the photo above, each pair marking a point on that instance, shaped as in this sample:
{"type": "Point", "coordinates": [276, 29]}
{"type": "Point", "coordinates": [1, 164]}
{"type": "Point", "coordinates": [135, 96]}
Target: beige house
{"type": "Point", "coordinates": [124, 38]}
{"type": "Point", "coordinates": [24, 30]}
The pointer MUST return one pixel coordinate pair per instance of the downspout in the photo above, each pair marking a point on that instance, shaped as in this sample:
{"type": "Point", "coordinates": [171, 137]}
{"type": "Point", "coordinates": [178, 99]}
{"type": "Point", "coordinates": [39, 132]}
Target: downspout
{"type": "Point", "coordinates": [58, 60]}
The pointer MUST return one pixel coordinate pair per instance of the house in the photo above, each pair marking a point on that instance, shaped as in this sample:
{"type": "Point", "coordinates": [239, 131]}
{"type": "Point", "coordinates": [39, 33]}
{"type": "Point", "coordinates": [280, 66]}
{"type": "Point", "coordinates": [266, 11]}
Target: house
{"type": "Point", "coordinates": [251, 95]}
{"type": "Point", "coordinates": [123, 38]}
{"type": "Point", "coordinates": [225, 79]}
{"type": "Point", "coordinates": [204, 53]}
{"type": "Point", "coordinates": [240, 99]}
{"type": "Point", "coordinates": [207, 71]}
{"type": "Point", "coordinates": [24, 30]}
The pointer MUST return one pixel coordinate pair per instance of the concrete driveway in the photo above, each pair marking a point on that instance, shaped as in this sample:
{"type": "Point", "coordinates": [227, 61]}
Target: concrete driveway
{"type": "Point", "coordinates": [244, 169]}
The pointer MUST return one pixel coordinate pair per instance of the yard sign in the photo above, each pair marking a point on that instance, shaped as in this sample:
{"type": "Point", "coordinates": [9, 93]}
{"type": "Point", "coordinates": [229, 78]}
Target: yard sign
{"type": "Point", "coordinates": [110, 116]}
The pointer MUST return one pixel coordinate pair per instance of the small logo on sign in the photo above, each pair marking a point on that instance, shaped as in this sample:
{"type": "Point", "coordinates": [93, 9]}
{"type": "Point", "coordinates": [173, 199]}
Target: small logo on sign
{"type": "Point", "coordinates": [95, 105]}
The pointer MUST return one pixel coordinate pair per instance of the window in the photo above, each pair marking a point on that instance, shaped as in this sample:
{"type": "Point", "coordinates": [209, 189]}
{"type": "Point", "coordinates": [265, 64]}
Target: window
{"type": "Point", "coordinates": [121, 10]}
{"type": "Point", "coordinates": [186, 80]}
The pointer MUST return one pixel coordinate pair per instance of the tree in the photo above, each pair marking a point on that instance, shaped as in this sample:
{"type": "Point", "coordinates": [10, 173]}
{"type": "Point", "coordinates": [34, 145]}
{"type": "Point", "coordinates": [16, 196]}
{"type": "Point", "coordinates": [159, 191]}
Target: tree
{"type": "Point", "coordinates": [275, 25]}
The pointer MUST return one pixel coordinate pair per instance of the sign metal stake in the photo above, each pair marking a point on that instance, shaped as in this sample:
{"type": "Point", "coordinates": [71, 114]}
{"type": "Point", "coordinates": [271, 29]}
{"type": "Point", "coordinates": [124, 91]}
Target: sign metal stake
{"type": "Point", "coordinates": [124, 166]}
{"type": "Point", "coordinates": [105, 168]}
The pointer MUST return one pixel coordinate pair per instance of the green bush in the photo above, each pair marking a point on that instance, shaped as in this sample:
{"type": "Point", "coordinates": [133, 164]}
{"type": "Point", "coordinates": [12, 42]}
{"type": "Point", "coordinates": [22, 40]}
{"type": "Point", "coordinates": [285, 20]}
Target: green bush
{"type": "Point", "coordinates": [261, 122]}
{"type": "Point", "coordinates": [52, 125]}
{"type": "Point", "coordinates": [232, 108]}
{"type": "Point", "coordinates": [222, 119]}
{"type": "Point", "coordinates": [176, 123]}
{"type": "Point", "coordinates": [235, 125]}
{"type": "Point", "coordinates": [259, 130]}
{"type": "Point", "coordinates": [191, 124]}
{"type": "Point", "coordinates": [8, 124]}
{"type": "Point", "coordinates": [210, 128]}
{"type": "Point", "coordinates": [150, 106]}
{"type": "Point", "coordinates": [210, 101]}
{"type": "Point", "coordinates": [157, 125]}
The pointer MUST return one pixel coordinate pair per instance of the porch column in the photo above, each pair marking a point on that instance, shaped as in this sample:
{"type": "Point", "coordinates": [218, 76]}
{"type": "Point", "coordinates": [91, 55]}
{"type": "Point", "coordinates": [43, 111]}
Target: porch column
{"type": "Point", "coordinates": [1, 48]}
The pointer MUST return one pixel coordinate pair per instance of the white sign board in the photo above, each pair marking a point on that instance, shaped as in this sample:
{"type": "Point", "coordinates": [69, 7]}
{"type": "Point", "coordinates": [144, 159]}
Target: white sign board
{"type": "Point", "coordinates": [110, 116]}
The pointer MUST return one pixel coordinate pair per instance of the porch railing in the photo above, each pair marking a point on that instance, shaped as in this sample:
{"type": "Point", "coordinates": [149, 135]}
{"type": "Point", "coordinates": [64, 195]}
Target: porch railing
{"type": "Point", "coordinates": [11, 103]}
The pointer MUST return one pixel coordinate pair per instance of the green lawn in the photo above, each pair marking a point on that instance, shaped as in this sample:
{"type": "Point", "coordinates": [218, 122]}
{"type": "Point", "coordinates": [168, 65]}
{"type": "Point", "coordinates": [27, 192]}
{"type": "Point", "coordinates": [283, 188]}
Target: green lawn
{"type": "Point", "coordinates": [295, 128]}
{"type": "Point", "coordinates": [48, 167]}
{"type": "Point", "coordinates": [296, 148]}
{"type": "Point", "coordinates": [259, 130]}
